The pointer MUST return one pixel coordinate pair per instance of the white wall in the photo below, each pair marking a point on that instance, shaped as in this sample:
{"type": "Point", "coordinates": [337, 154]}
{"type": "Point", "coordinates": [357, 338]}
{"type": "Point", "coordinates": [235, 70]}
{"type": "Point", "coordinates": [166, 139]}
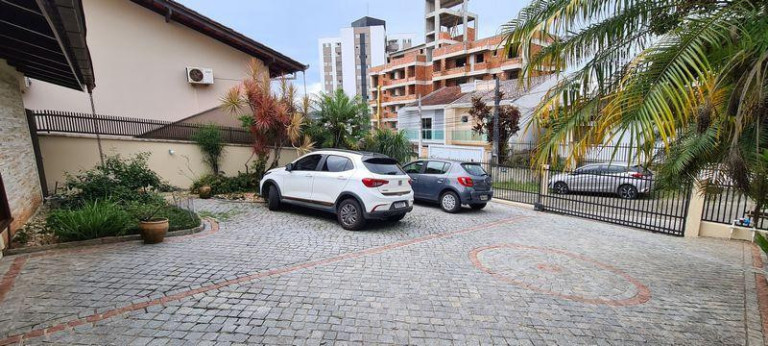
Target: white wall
{"type": "Point", "coordinates": [378, 42]}
{"type": "Point", "coordinates": [348, 61]}
{"type": "Point", "coordinates": [139, 61]}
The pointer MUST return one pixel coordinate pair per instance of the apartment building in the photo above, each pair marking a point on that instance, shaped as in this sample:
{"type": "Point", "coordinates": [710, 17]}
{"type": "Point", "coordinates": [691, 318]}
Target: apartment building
{"type": "Point", "coordinates": [409, 74]}
{"type": "Point", "coordinates": [343, 65]}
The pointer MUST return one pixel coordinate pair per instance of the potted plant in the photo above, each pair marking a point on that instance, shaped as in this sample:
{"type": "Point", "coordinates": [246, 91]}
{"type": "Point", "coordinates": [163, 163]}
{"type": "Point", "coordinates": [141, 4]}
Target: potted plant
{"type": "Point", "coordinates": [204, 191]}
{"type": "Point", "coordinates": [153, 229]}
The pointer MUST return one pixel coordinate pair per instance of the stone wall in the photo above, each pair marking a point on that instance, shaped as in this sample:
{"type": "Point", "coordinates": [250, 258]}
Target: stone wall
{"type": "Point", "coordinates": [17, 158]}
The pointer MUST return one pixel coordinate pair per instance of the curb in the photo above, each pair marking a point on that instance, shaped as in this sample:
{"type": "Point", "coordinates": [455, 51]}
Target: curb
{"type": "Point", "coordinates": [98, 241]}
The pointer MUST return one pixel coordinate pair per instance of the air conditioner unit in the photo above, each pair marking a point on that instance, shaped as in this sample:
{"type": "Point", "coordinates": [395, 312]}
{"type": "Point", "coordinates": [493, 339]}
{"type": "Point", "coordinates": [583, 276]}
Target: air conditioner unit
{"type": "Point", "coordinates": [199, 75]}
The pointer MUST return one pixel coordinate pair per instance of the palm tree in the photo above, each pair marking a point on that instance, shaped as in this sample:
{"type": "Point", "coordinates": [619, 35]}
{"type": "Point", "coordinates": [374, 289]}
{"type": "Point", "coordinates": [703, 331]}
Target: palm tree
{"type": "Point", "coordinates": [341, 121]}
{"type": "Point", "coordinates": [274, 120]}
{"type": "Point", "coordinates": [390, 142]}
{"type": "Point", "coordinates": [689, 74]}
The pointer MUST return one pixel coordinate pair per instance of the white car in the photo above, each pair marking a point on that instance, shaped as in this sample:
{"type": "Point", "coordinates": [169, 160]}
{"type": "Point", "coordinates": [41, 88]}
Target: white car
{"type": "Point", "coordinates": [356, 186]}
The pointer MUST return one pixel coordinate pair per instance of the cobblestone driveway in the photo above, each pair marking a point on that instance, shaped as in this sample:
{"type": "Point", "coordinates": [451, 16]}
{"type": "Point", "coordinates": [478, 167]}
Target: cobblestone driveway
{"type": "Point", "coordinates": [503, 275]}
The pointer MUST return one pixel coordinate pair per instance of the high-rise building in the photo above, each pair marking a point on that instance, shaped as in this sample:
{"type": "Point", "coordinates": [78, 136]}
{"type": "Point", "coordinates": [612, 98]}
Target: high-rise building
{"type": "Point", "coordinates": [341, 61]}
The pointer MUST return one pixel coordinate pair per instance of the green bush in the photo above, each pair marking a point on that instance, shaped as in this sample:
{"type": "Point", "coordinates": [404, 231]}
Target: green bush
{"type": "Point", "coordinates": [117, 180]}
{"type": "Point", "coordinates": [243, 182]}
{"type": "Point", "coordinates": [211, 143]}
{"type": "Point", "coordinates": [391, 143]}
{"type": "Point", "coordinates": [92, 220]}
{"type": "Point", "coordinates": [177, 218]}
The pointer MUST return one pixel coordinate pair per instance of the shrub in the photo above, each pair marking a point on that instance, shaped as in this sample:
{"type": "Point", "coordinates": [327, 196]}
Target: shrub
{"type": "Point", "coordinates": [118, 179]}
{"type": "Point", "coordinates": [391, 143]}
{"type": "Point", "coordinates": [178, 218]}
{"type": "Point", "coordinates": [243, 182]}
{"type": "Point", "coordinates": [208, 138]}
{"type": "Point", "coordinates": [93, 220]}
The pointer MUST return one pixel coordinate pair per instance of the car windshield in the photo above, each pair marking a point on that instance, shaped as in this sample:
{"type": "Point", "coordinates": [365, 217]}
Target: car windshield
{"type": "Point", "coordinates": [385, 166]}
{"type": "Point", "coordinates": [473, 168]}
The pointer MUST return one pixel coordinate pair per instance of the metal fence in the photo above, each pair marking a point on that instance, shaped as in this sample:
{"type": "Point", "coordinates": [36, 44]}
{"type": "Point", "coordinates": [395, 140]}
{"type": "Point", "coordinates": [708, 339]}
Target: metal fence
{"type": "Point", "coordinates": [624, 198]}
{"type": "Point", "coordinates": [68, 122]}
{"type": "Point", "coordinates": [615, 193]}
{"type": "Point", "coordinates": [723, 203]}
{"type": "Point", "coordinates": [521, 152]}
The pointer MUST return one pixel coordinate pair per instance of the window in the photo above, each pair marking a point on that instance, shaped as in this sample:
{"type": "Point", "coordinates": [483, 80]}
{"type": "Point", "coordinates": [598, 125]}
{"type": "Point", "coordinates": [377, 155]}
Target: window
{"type": "Point", "coordinates": [383, 165]}
{"type": "Point", "coordinates": [479, 58]}
{"type": "Point", "coordinates": [414, 167]}
{"type": "Point", "coordinates": [308, 163]}
{"type": "Point", "coordinates": [426, 128]}
{"type": "Point", "coordinates": [460, 62]}
{"type": "Point", "coordinates": [337, 164]}
{"type": "Point", "coordinates": [474, 169]}
{"type": "Point", "coordinates": [436, 167]}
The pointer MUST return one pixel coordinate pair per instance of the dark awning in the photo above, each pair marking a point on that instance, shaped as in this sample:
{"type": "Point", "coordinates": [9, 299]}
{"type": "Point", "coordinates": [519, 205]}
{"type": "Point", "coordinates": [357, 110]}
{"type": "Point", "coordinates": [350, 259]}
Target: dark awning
{"type": "Point", "coordinates": [45, 40]}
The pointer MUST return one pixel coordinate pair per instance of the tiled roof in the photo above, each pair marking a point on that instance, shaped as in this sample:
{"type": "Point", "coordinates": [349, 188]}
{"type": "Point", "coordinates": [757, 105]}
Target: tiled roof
{"type": "Point", "coordinates": [442, 96]}
{"type": "Point", "coordinates": [511, 89]}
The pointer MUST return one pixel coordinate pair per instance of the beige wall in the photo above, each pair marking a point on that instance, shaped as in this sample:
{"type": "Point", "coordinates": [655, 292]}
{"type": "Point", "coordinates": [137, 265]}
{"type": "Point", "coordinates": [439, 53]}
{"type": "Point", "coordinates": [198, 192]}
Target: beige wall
{"type": "Point", "coordinates": [17, 158]}
{"type": "Point", "coordinates": [70, 153]}
{"type": "Point", "coordinates": [139, 61]}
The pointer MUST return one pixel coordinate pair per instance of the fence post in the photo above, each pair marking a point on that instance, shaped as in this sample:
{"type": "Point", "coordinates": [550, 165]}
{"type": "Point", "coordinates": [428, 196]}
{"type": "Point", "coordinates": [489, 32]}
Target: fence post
{"type": "Point", "coordinates": [694, 212]}
{"type": "Point", "coordinates": [543, 187]}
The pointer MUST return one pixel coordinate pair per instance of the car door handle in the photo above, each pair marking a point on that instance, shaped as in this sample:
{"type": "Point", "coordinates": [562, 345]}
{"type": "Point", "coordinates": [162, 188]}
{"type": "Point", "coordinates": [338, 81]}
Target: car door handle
{"type": "Point", "coordinates": [440, 181]}
{"type": "Point", "coordinates": [308, 175]}
{"type": "Point", "coordinates": [341, 177]}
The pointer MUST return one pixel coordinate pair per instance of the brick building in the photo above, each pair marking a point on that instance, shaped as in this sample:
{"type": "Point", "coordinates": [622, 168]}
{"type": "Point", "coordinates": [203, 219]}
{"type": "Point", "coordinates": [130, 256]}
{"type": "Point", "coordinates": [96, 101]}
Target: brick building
{"type": "Point", "coordinates": [409, 73]}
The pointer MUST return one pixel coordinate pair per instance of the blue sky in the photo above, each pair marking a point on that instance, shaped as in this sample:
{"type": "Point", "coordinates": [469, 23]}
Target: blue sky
{"type": "Point", "coordinates": [294, 26]}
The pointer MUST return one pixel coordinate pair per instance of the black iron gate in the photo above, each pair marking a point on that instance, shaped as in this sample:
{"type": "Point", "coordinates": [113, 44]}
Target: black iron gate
{"type": "Point", "coordinates": [610, 193]}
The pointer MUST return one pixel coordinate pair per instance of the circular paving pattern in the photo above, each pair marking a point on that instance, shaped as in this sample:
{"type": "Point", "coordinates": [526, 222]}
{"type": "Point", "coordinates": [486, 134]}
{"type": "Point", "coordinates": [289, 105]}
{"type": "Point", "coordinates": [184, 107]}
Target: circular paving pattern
{"type": "Point", "coordinates": [561, 274]}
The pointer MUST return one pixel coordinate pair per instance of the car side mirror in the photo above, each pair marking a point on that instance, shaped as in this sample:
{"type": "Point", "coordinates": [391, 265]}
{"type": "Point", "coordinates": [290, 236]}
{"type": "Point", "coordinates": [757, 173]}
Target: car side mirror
{"type": "Point", "coordinates": [289, 167]}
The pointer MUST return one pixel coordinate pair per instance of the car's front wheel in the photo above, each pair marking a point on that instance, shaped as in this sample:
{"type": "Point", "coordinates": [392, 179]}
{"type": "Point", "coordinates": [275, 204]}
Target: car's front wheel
{"type": "Point", "coordinates": [627, 191]}
{"type": "Point", "coordinates": [273, 198]}
{"type": "Point", "coordinates": [450, 202]}
{"type": "Point", "coordinates": [350, 215]}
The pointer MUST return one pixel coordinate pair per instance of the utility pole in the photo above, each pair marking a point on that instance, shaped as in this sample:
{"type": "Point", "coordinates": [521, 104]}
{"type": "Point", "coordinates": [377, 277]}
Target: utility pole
{"type": "Point", "coordinates": [496, 101]}
{"type": "Point", "coordinates": [378, 105]}
{"type": "Point", "coordinates": [420, 134]}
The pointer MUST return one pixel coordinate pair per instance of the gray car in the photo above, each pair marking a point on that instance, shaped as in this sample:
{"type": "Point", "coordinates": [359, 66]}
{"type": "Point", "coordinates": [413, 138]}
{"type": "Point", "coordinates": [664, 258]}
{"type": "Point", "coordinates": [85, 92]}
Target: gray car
{"type": "Point", "coordinates": [450, 183]}
{"type": "Point", "coordinates": [625, 180]}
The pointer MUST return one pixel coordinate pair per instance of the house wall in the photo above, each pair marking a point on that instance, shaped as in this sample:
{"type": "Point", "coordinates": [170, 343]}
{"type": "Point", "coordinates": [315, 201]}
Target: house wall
{"type": "Point", "coordinates": [139, 61]}
{"type": "Point", "coordinates": [178, 168]}
{"type": "Point", "coordinates": [17, 158]}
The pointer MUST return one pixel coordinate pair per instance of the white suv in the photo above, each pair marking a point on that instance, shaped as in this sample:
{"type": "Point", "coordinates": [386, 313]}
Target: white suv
{"type": "Point", "coordinates": [356, 186]}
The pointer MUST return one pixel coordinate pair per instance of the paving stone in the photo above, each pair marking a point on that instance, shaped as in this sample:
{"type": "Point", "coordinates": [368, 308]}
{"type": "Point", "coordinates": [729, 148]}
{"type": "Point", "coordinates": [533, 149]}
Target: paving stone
{"type": "Point", "coordinates": [509, 276]}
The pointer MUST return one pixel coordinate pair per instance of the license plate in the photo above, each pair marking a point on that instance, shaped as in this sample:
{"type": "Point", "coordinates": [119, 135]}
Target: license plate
{"type": "Point", "coordinates": [483, 197]}
{"type": "Point", "coordinates": [399, 205]}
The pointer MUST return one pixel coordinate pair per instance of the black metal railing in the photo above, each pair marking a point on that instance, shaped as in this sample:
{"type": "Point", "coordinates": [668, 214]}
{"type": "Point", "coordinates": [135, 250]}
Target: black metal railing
{"type": "Point", "coordinates": [520, 153]}
{"type": "Point", "coordinates": [626, 198]}
{"type": "Point", "coordinates": [515, 183]}
{"type": "Point", "coordinates": [48, 121]}
{"type": "Point", "coordinates": [723, 203]}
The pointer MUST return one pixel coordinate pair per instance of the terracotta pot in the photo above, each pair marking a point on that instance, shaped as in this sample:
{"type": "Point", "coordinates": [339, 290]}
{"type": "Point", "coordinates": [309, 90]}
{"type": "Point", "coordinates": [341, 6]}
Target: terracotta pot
{"type": "Point", "coordinates": [204, 192]}
{"type": "Point", "coordinates": [154, 230]}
